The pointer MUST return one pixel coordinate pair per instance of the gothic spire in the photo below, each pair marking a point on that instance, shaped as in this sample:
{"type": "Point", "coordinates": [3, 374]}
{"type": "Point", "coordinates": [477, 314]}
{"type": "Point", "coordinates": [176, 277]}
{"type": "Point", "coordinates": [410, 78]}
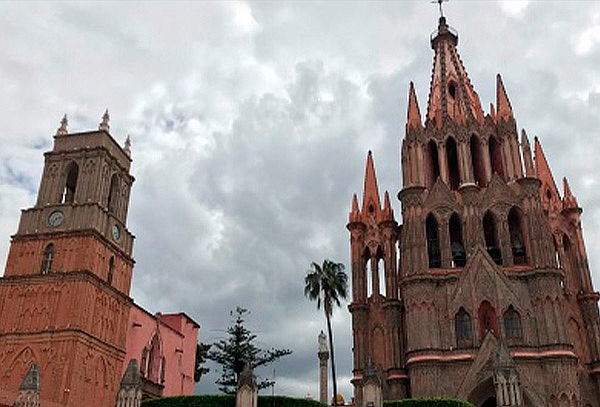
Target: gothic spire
{"type": "Point", "coordinates": [451, 95]}
{"type": "Point", "coordinates": [413, 116]}
{"type": "Point", "coordinates": [370, 202]}
{"type": "Point", "coordinates": [527, 157]}
{"type": "Point", "coordinates": [569, 200]}
{"type": "Point", "coordinates": [63, 128]}
{"type": "Point", "coordinates": [388, 212]}
{"type": "Point", "coordinates": [502, 103]}
{"type": "Point", "coordinates": [104, 123]}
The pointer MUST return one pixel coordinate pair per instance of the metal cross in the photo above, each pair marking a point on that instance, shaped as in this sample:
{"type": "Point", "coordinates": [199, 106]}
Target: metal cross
{"type": "Point", "coordinates": [439, 2]}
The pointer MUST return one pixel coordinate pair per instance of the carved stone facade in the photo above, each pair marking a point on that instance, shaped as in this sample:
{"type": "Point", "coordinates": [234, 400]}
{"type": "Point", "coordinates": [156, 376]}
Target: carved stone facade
{"type": "Point", "coordinates": [484, 291]}
{"type": "Point", "coordinates": [64, 296]}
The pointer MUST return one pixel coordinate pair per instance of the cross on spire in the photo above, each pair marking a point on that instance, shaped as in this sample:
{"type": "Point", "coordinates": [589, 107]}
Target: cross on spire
{"type": "Point", "coordinates": [440, 2]}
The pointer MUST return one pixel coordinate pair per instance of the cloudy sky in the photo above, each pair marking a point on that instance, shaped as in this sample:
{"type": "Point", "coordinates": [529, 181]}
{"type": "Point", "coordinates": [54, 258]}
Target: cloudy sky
{"type": "Point", "coordinates": [250, 124]}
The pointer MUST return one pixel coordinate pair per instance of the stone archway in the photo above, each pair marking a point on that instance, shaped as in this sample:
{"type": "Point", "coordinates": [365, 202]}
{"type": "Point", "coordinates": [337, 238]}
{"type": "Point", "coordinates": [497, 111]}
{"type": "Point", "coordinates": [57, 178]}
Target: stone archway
{"type": "Point", "coordinates": [484, 394]}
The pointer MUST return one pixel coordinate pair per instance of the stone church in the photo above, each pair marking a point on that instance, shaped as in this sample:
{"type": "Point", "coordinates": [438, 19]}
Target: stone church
{"type": "Point", "coordinates": [70, 334]}
{"type": "Point", "coordinates": [484, 292]}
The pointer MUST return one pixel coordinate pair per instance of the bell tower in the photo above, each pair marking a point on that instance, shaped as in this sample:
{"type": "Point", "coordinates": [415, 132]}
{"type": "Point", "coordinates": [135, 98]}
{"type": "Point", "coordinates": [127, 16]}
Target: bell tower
{"type": "Point", "coordinates": [64, 297]}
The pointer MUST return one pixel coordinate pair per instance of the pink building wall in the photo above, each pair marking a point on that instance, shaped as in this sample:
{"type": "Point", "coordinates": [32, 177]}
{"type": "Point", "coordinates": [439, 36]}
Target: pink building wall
{"type": "Point", "coordinates": [176, 337]}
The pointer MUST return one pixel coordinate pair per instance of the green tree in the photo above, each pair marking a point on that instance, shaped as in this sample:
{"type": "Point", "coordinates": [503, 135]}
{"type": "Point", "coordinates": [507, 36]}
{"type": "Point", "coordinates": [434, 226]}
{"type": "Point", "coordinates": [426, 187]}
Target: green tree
{"type": "Point", "coordinates": [327, 285]}
{"type": "Point", "coordinates": [201, 356]}
{"type": "Point", "coordinates": [238, 350]}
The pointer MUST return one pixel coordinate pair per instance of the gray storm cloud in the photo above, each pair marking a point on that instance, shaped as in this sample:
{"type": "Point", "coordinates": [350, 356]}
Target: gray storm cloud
{"type": "Point", "coordinates": [250, 124]}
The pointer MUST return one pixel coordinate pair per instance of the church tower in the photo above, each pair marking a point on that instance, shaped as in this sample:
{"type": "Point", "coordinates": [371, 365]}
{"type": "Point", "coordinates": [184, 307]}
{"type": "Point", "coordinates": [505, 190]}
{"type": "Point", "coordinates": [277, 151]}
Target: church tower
{"type": "Point", "coordinates": [492, 300]}
{"type": "Point", "coordinates": [64, 297]}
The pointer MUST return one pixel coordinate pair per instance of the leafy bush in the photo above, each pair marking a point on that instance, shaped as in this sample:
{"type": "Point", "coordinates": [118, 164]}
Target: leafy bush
{"type": "Point", "coordinates": [225, 400]}
{"type": "Point", "coordinates": [427, 403]}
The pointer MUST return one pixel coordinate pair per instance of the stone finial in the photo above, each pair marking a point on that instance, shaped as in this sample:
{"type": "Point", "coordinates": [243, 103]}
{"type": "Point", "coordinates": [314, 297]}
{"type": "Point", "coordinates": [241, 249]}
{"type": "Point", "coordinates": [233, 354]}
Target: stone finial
{"type": "Point", "coordinates": [247, 377]}
{"type": "Point", "coordinates": [29, 391]}
{"type": "Point", "coordinates": [63, 128]}
{"type": "Point", "coordinates": [130, 390]}
{"type": "Point", "coordinates": [104, 123]}
{"type": "Point", "coordinates": [127, 146]}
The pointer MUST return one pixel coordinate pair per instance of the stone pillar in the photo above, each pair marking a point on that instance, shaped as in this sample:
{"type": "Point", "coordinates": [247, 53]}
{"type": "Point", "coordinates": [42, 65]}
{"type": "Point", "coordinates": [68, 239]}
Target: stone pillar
{"type": "Point", "coordinates": [29, 391]}
{"type": "Point", "coordinates": [323, 362]}
{"type": "Point", "coordinates": [371, 388]}
{"type": "Point", "coordinates": [130, 390]}
{"type": "Point", "coordinates": [247, 389]}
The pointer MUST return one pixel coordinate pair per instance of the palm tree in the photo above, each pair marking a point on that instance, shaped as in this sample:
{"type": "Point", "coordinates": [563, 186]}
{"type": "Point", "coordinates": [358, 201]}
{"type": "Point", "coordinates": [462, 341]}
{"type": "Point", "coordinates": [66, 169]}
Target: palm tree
{"type": "Point", "coordinates": [327, 284]}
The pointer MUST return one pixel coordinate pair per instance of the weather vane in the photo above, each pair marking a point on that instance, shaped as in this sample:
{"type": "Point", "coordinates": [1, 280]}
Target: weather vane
{"type": "Point", "coordinates": [440, 2]}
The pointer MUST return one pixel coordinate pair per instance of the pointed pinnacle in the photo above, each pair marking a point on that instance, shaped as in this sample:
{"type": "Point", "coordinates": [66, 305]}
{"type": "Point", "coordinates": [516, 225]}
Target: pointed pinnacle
{"type": "Point", "coordinates": [569, 200]}
{"type": "Point", "coordinates": [354, 204]}
{"type": "Point", "coordinates": [370, 190]}
{"type": "Point", "coordinates": [527, 157]}
{"type": "Point", "coordinates": [63, 128]}
{"type": "Point", "coordinates": [492, 111]}
{"type": "Point", "coordinates": [413, 116]}
{"type": "Point", "coordinates": [386, 202]}
{"type": "Point", "coordinates": [104, 123]}
{"type": "Point", "coordinates": [502, 103]}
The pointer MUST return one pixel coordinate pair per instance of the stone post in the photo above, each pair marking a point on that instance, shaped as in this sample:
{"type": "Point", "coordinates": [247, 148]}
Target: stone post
{"type": "Point", "coordinates": [29, 391]}
{"type": "Point", "coordinates": [371, 388]}
{"type": "Point", "coordinates": [323, 362]}
{"type": "Point", "coordinates": [130, 390]}
{"type": "Point", "coordinates": [247, 389]}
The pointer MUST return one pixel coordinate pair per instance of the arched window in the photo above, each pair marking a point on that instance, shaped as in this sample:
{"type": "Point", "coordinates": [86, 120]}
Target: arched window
{"type": "Point", "coordinates": [512, 324]}
{"type": "Point", "coordinates": [496, 157]}
{"type": "Point", "coordinates": [568, 252]}
{"type": "Point", "coordinates": [517, 240]}
{"type": "Point", "coordinates": [144, 362]}
{"type": "Point", "coordinates": [490, 232]}
{"type": "Point", "coordinates": [434, 162]}
{"type": "Point", "coordinates": [111, 270]}
{"type": "Point", "coordinates": [477, 161]}
{"type": "Point", "coordinates": [71, 183]}
{"type": "Point", "coordinates": [462, 325]}
{"type": "Point", "coordinates": [488, 321]}
{"type": "Point", "coordinates": [47, 259]}
{"type": "Point", "coordinates": [162, 370]}
{"type": "Point", "coordinates": [368, 272]}
{"type": "Point", "coordinates": [433, 242]}
{"type": "Point", "coordinates": [381, 275]}
{"type": "Point", "coordinates": [113, 193]}
{"type": "Point", "coordinates": [452, 158]}
{"type": "Point", "coordinates": [459, 257]}
{"type": "Point", "coordinates": [556, 253]}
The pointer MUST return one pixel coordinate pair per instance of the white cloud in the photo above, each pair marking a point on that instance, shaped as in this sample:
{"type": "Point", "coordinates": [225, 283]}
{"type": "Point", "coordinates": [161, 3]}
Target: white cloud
{"type": "Point", "coordinates": [250, 124]}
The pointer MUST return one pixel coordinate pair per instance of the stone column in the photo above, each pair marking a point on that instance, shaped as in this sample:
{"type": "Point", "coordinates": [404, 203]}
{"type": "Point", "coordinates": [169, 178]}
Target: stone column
{"type": "Point", "coordinates": [323, 362]}
{"type": "Point", "coordinates": [29, 391]}
{"type": "Point", "coordinates": [130, 390]}
{"type": "Point", "coordinates": [247, 389]}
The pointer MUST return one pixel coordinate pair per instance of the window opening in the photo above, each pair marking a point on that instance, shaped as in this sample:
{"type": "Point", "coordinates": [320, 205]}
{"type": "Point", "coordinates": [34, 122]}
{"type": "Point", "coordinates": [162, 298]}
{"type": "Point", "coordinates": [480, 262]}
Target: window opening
{"type": "Point", "coordinates": [433, 242]}
{"type": "Point", "coordinates": [491, 237]}
{"type": "Point", "coordinates": [517, 241]}
{"type": "Point", "coordinates": [452, 158]}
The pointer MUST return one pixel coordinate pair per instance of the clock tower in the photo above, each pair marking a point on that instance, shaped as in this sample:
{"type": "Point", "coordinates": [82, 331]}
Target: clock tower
{"type": "Point", "coordinates": [64, 297]}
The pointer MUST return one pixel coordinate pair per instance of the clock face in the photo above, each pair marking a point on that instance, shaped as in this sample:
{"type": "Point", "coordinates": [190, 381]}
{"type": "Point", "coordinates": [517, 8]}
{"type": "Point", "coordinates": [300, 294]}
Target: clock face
{"type": "Point", "coordinates": [116, 232]}
{"type": "Point", "coordinates": [56, 218]}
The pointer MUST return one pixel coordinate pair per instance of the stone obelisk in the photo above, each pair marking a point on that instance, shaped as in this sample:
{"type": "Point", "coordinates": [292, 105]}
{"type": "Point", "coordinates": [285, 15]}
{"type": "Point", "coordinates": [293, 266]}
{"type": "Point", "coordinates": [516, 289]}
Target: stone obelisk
{"type": "Point", "coordinates": [323, 362]}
